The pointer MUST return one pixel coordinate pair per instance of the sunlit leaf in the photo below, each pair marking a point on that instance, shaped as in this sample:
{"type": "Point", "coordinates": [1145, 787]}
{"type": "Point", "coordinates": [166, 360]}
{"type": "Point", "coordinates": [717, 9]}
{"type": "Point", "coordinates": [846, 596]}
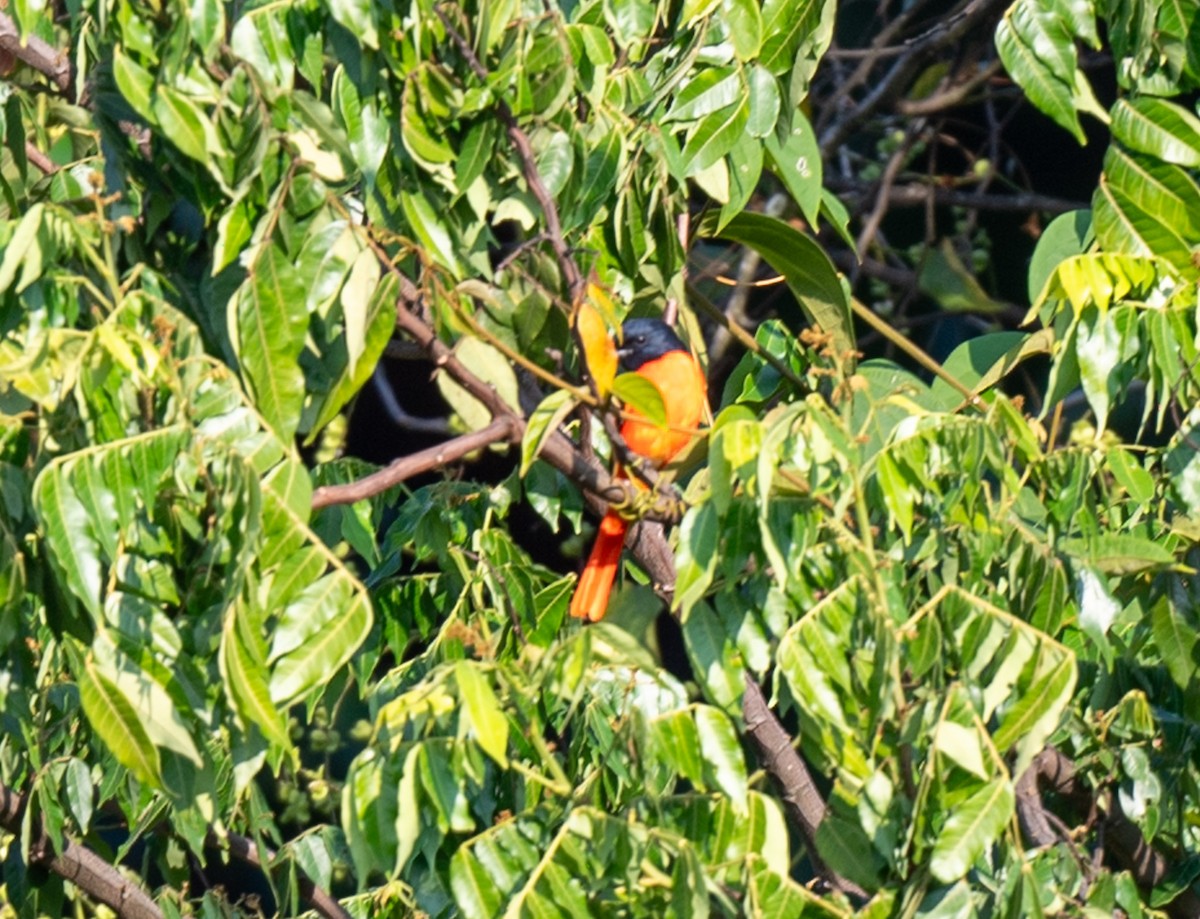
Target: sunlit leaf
{"type": "Point", "coordinates": [970, 829]}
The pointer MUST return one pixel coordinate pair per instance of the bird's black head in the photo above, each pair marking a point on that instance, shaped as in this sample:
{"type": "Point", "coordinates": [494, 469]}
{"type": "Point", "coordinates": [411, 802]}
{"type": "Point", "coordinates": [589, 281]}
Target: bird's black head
{"type": "Point", "coordinates": [646, 340]}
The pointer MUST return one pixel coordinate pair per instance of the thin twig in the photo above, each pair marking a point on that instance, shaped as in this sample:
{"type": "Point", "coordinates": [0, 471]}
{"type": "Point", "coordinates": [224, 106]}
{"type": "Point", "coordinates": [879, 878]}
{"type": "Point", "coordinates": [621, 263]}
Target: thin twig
{"type": "Point", "coordinates": [736, 305]}
{"type": "Point", "coordinates": [520, 140]}
{"type": "Point", "coordinates": [914, 351]}
{"type": "Point", "coordinates": [890, 171]}
{"type": "Point", "coordinates": [915, 194]}
{"type": "Point", "coordinates": [946, 34]}
{"type": "Point", "coordinates": [950, 97]}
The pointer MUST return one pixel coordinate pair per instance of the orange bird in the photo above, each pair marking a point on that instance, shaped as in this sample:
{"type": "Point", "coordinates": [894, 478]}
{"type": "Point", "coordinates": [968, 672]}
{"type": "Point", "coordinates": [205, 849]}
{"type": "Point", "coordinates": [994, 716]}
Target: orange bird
{"type": "Point", "coordinates": [650, 349]}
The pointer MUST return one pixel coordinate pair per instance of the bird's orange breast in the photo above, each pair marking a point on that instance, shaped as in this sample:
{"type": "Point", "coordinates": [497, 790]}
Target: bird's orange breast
{"type": "Point", "coordinates": [685, 394]}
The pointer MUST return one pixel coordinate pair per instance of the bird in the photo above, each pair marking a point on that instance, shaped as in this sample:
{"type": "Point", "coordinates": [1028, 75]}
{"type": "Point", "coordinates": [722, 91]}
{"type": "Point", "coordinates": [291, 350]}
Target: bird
{"type": "Point", "coordinates": [649, 348]}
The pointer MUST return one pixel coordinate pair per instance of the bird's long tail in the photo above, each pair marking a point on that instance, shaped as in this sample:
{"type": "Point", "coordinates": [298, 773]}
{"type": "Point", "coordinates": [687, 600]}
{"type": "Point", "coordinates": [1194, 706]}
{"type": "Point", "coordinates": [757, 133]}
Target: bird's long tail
{"type": "Point", "coordinates": [596, 582]}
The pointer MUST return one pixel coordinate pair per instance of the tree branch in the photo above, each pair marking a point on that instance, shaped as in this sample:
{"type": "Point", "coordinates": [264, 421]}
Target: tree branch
{"type": "Point", "coordinates": [1052, 771]}
{"type": "Point", "coordinates": [781, 760]}
{"type": "Point", "coordinates": [520, 140]}
{"type": "Point", "coordinates": [557, 450]}
{"type": "Point", "coordinates": [501, 429]}
{"type": "Point", "coordinates": [914, 194]}
{"type": "Point", "coordinates": [945, 34]}
{"type": "Point", "coordinates": [246, 850]}
{"type": "Point", "coordinates": [951, 96]}
{"type": "Point", "coordinates": [78, 864]}
{"type": "Point", "coordinates": [46, 60]}
{"type": "Point", "coordinates": [39, 159]}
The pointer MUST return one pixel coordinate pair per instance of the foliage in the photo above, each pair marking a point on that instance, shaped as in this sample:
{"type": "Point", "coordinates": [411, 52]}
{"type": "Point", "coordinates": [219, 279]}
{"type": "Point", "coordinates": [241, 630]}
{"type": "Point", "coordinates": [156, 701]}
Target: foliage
{"type": "Point", "coordinates": [211, 232]}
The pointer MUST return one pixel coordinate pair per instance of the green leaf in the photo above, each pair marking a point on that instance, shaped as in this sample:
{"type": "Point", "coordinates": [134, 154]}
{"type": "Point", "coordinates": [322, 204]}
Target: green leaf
{"type": "Point", "coordinates": [491, 366]}
{"type": "Point", "coordinates": [696, 560]}
{"type": "Point", "coordinates": [1157, 127]}
{"type": "Point", "coordinates": [333, 615]}
{"type": "Point", "coordinates": [207, 18]}
{"type": "Point", "coordinates": [722, 752]}
{"type": "Point", "coordinates": [477, 895]}
{"type": "Point", "coordinates": [630, 20]}
{"type": "Point", "coordinates": [260, 37]}
{"type": "Point", "coordinates": [358, 17]}
{"type": "Point", "coordinates": [367, 132]}
{"type": "Point", "coordinates": [77, 782]}
{"type": "Point", "coordinates": [483, 711]}
{"type": "Point", "coordinates": [696, 9]}
{"type": "Point", "coordinates": [944, 277]}
{"type": "Point", "coordinates": [135, 83]}
{"type": "Point", "coordinates": [550, 59]}
{"type": "Point", "coordinates": [184, 124]}
{"type": "Point", "coordinates": [23, 249]}
{"type": "Point", "coordinates": [678, 743]}
{"type": "Point", "coordinates": [962, 746]}
{"type": "Point", "coordinates": [1099, 352]}
{"type": "Point", "coordinates": [715, 135]}
{"type": "Point", "coordinates": [744, 23]}
{"type": "Point", "coordinates": [117, 724]}
{"type": "Point", "coordinates": [642, 396]}
{"type": "Point", "coordinates": [1131, 475]}
{"type": "Point", "coordinates": [805, 266]}
{"type": "Point", "coordinates": [713, 657]}
{"type": "Point", "coordinates": [1119, 553]}
{"type": "Point", "coordinates": [475, 153]}
{"type": "Point", "coordinates": [971, 828]}
{"type": "Point", "coordinates": [745, 169]}
{"type": "Point", "coordinates": [898, 494]}
{"type": "Point", "coordinates": [796, 159]}
{"type": "Point", "coordinates": [369, 317]}
{"type": "Point", "coordinates": [1067, 235]}
{"type": "Point", "coordinates": [1039, 52]}
{"type": "Point", "coordinates": [431, 232]}
{"type": "Point", "coordinates": [272, 323]}
{"type": "Point", "coordinates": [795, 34]}
{"type": "Point", "coordinates": [244, 671]}
{"type": "Point", "coordinates": [1146, 207]}
{"type": "Point", "coordinates": [544, 421]}
{"type": "Point", "coordinates": [709, 91]}
{"type": "Point", "coordinates": [764, 102]}
{"type": "Point", "coordinates": [1037, 712]}
{"type": "Point", "coordinates": [971, 362]}
{"type": "Point", "coordinates": [1176, 641]}
{"type": "Point", "coordinates": [1027, 346]}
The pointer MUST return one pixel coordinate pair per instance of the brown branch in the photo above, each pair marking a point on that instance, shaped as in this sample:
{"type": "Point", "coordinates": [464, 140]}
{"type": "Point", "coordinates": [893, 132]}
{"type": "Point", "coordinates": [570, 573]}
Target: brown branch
{"type": "Point", "coordinates": [36, 53]}
{"type": "Point", "coordinates": [886, 181]}
{"type": "Point", "coordinates": [954, 95]}
{"type": "Point", "coordinates": [39, 159]}
{"type": "Point", "coordinates": [557, 450]}
{"type": "Point", "coordinates": [78, 864]}
{"type": "Point", "coordinates": [533, 178]}
{"type": "Point", "coordinates": [945, 34]}
{"type": "Point", "coordinates": [246, 850]}
{"type": "Point", "coordinates": [781, 760]}
{"type": "Point", "coordinates": [1054, 772]}
{"type": "Point", "coordinates": [915, 194]}
{"type": "Point", "coordinates": [501, 429]}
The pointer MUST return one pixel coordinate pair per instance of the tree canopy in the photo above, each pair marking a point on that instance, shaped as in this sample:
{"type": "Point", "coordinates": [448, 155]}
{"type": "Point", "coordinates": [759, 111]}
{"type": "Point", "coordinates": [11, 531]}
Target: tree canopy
{"type": "Point", "coordinates": [299, 446]}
